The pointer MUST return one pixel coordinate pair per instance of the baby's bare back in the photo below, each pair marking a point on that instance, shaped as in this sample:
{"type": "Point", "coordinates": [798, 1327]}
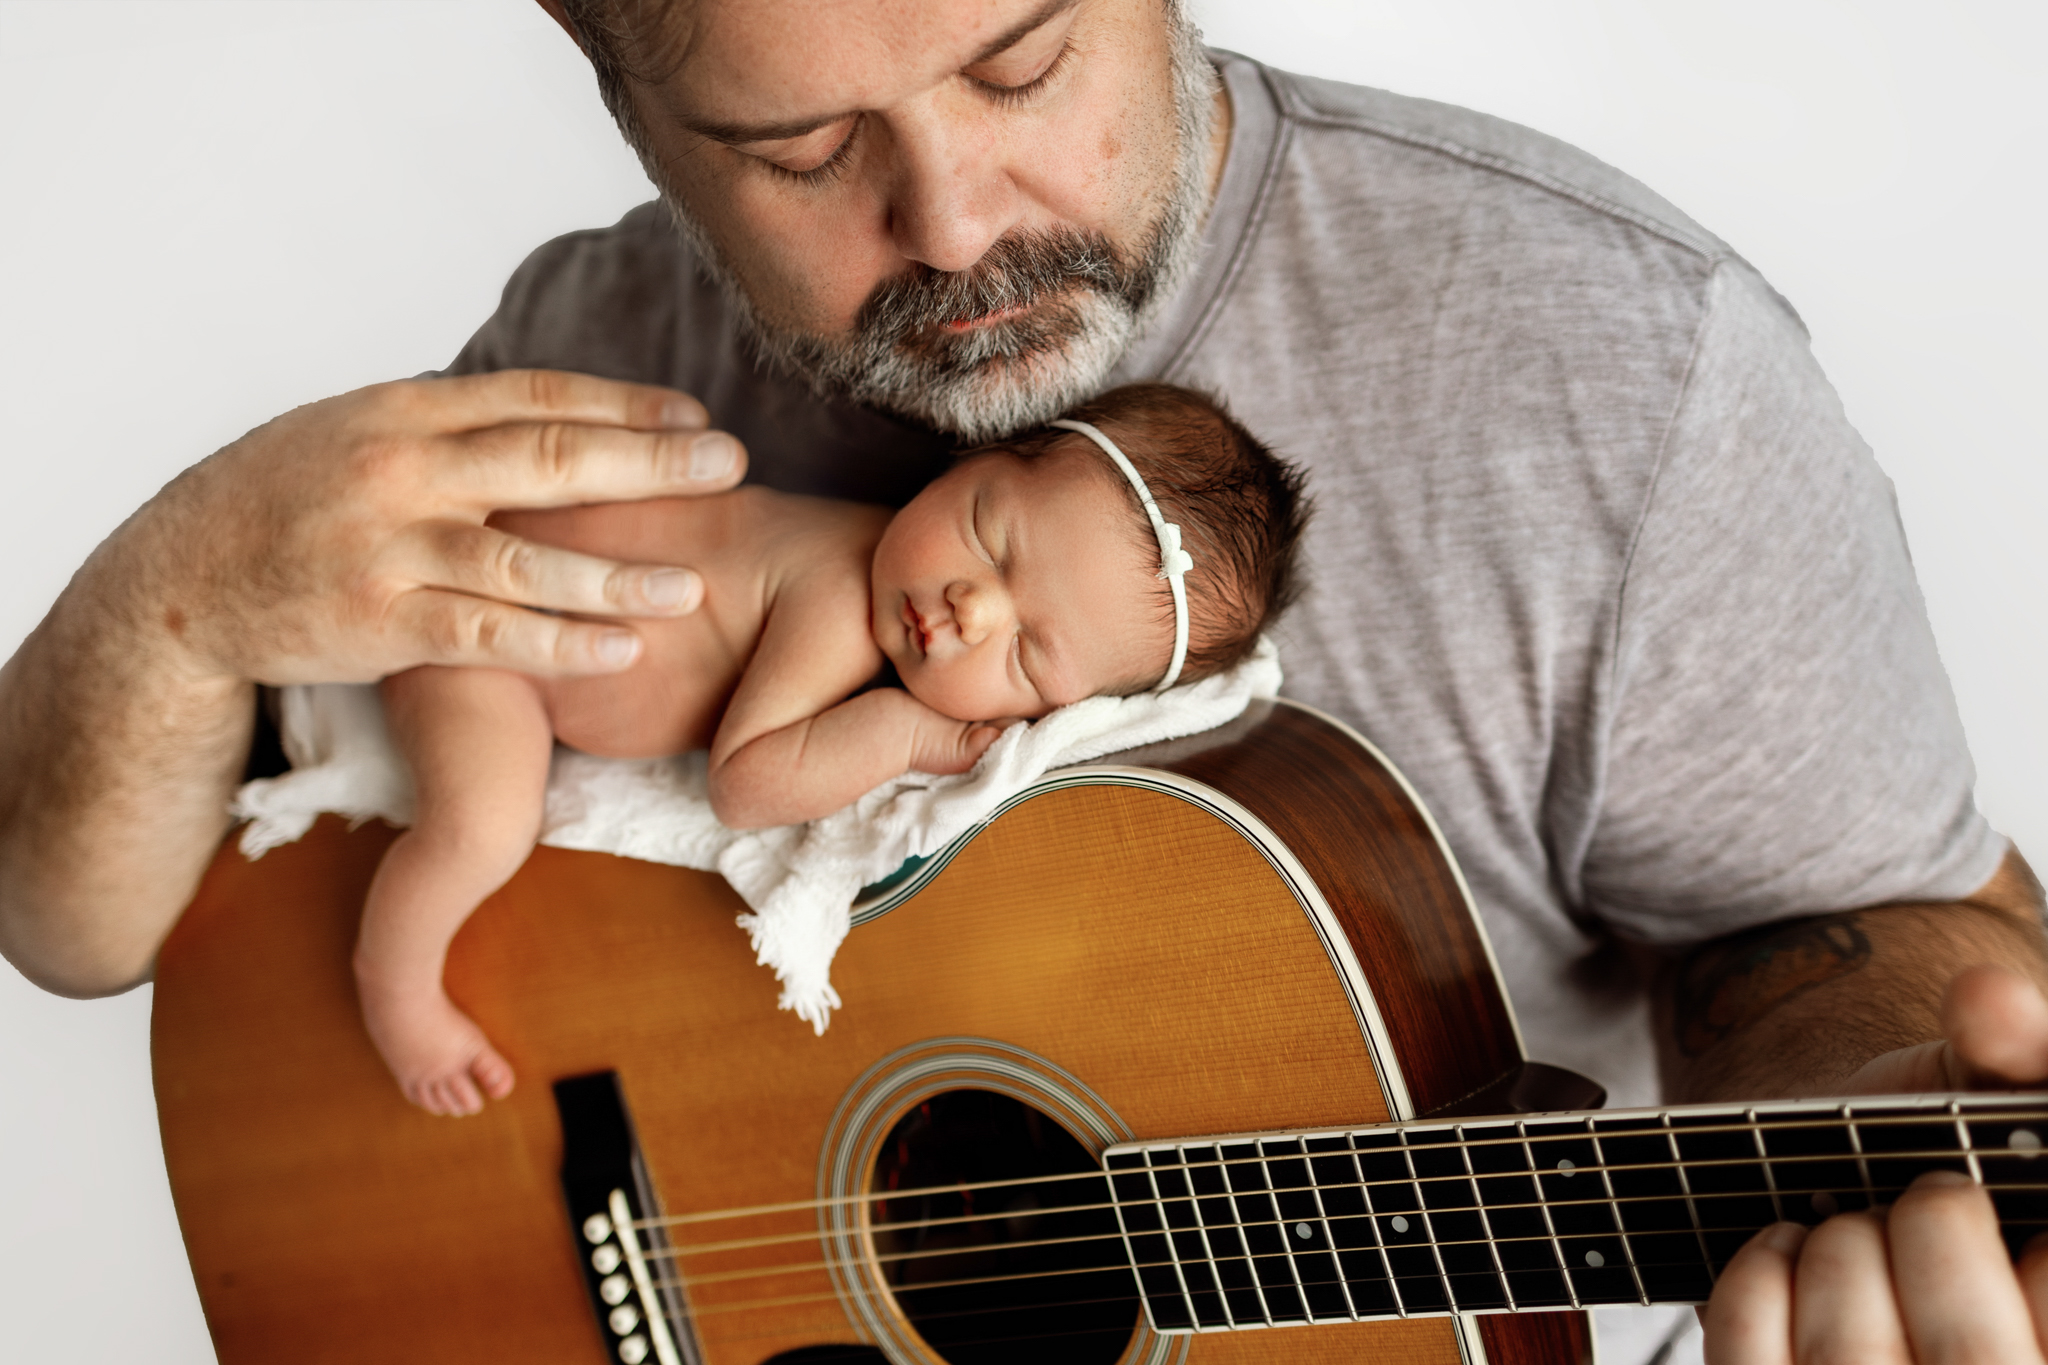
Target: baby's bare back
{"type": "Point", "coordinates": [748, 545]}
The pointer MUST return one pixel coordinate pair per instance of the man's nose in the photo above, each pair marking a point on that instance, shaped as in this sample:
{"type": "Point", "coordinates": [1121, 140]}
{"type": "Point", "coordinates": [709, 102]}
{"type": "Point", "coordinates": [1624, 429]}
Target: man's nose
{"type": "Point", "coordinates": [951, 197]}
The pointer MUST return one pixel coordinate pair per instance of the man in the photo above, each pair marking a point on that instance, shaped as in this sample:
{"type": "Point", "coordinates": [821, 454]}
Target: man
{"type": "Point", "coordinates": [1599, 560]}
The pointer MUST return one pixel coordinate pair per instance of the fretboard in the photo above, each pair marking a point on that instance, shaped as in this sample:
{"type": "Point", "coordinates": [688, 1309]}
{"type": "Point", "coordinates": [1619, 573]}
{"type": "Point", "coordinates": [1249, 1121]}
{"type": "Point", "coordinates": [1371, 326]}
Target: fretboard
{"type": "Point", "coordinates": [1547, 1211]}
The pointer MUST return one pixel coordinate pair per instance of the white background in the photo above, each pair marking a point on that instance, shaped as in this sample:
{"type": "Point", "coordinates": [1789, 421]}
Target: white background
{"type": "Point", "coordinates": [210, 212]}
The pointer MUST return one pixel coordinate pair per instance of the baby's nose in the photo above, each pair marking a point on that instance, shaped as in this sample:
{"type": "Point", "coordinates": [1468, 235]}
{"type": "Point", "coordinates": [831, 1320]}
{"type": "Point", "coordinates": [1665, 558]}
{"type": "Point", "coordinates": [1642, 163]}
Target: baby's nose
{"type": "Point", "coordinates": [974, 612]}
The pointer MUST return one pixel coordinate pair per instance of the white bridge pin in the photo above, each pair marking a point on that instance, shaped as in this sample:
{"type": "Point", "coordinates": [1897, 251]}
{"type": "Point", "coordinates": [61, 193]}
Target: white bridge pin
{"type": "Point", "coordinates": [613, 1289]}
{"type": "Point", "coordinates": [2024, 1142]}
{"type": "Point", "coordinates": [606, 1258]}
{"type": "Point", "coordinates": [624, 1318]}
{"type": "Point", "coordinates": [633, 1349]}
{"type": "Point", "coordinates": [596, 1228]}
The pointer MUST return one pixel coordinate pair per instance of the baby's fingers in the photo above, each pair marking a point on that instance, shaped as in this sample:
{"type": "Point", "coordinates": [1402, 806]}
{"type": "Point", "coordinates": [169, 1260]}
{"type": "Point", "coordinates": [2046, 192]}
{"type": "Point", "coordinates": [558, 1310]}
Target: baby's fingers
{"type": "Point", "coordinates": [953, 746]}
{"type": "Point", "coordinates": [434, 627]}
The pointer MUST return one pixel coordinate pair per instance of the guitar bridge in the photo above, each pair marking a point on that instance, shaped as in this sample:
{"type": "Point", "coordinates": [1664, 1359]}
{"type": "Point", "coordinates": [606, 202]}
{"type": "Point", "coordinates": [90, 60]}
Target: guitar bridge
{"type": "Point", "coordinates": [615, 1219]}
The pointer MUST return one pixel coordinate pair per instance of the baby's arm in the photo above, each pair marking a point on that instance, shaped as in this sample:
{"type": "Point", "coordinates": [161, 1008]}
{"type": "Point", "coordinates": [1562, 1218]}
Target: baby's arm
{"type": "Point", "coordinates": [786, 753]}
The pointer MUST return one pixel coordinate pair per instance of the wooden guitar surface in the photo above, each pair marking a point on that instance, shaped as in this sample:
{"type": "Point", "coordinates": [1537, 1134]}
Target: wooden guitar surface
{"type": "Point", "coordinates": [1118, 934]}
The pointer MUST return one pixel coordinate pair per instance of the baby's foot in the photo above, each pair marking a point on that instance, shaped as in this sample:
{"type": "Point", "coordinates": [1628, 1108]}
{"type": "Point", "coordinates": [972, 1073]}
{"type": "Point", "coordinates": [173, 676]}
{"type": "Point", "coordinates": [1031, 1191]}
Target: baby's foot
{"type": "Point", "coordinates": [442, 1060]}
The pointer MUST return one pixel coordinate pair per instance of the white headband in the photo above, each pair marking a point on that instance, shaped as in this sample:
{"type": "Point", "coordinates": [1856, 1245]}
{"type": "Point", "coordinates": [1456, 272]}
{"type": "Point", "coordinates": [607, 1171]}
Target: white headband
{"type": "Point", "coordinates": [1173, 561]}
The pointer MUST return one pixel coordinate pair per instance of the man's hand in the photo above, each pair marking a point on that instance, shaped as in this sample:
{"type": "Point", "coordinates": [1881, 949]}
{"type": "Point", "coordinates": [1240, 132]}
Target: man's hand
{"type": "Point", "coordinates": [1929, 1279]}
{"type": "Point", "coordinates": [346, 541]}
{"type": "Point", "coordinates": [1832, 1006]}
{"type": "Point", "coordinates": [343, 541]}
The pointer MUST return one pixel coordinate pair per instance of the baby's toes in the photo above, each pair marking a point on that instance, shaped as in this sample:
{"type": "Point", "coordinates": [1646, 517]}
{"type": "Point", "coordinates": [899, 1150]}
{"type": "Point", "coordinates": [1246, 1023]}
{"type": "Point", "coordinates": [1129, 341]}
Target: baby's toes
{"type": "Point", "coordinates": [492, 1072]}
{"type": "Point", "coordinates": [462, 1094]}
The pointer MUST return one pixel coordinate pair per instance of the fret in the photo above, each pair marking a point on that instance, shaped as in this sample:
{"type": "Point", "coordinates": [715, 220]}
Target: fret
{"type": "Point", "coordinates": [1456, 1226]}
{"type": "Point", "coordinates": [1524, 1243]}
{"type": "Point", "coordinates": [1627, 1250]}
{"type": "Point", "coordinates": [1812, 1164]}
{"type": "Point", "coordinates": [1258, 1227]}
{"type": "Point", "coordinates": [1692, 1207]}
{"type": "Point", "coordinates": [2007, 1141]}
{"type": "Point", "coordinates": [1731, 1194]}
{"type": "Point", "coordinates": [1549, 1223]}
{"type": "Point", "coordinates": [1911, 1133]}
{"type": "Point", "coordinates": [1582, 1211]}
{"type": "Point", "coordinates": [1341, 1190]}
{"type": "Point", "coordinates": [1397, 1219]}
{"type": "Point", "coordinates": [1305, 1232]}
{"type": "Point", "coordinates": [1216, 1218]}
{"type": "Point", "coordinates": [1862, 1158]}
{"type": "Point", "coordinates": [1955, 1109]}
{"type": "Point", "coordinates": [1144, 1213]}
{"type": "Point", "coordinates": [1662, 1237]}
{"type": "Point", "coordinates": [1757, 1136]}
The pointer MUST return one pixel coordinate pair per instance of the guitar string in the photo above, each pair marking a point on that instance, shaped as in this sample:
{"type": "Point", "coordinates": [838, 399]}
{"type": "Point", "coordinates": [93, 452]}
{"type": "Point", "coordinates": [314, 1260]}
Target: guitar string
{"type": "Point", "coordinates": [1398, 1183]}
{"type": "Point", "coordinates": [1279, 1226]}
{"type": "Point", "coordinates": [1833, 1120]}
{"type": "Point", "coordinates": [909, 1225]}
{"type": "Point", "coordinates": [1388, 1275]}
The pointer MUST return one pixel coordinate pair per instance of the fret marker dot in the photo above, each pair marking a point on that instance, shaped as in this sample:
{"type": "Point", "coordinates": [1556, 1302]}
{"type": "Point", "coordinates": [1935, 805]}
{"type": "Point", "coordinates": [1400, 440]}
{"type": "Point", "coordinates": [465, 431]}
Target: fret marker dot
{"type": "Point", "coordinates": [1302, 1231]}
{"type": "Point", "coordinates": [1825, 1205]}
{"type": "Point", "coordinates": [1595, 1259]}
{"type": "Point", "coordinates": [1567, 1167]}
{"type": "Point", "coordinates": [1400, 1223]}
{"type": "Point", "coordinates": [2024, 1142]}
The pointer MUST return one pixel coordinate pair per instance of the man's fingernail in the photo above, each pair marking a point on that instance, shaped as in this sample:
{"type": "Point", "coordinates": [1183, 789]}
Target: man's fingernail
{"type": "Point", "coordinates": [712, 455]}
{"type": "Point", "coordinates": [682, 412]}
{"type": "Point", "coordinates": [617, 647]}
{"type": "Point", "coordinates": [1949, 1178]}
{"type": "Point", "coordinates": [1783, 1238]}
{"type": "Point", "coordinates": [668, 587]}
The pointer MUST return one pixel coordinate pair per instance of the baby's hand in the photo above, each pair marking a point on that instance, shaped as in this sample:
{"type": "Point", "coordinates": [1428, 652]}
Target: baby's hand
{"type": "Point", "coordinates": [943, 745]}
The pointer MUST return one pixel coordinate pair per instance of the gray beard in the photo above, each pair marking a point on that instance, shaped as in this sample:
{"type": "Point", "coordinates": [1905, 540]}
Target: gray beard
{"type": "Point", "coordinates": [1086, 303]}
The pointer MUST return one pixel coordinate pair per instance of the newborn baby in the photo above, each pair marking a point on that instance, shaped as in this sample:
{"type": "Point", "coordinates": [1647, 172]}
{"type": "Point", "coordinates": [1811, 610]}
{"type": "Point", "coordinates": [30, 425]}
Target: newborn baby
{"type": "Point", "coordinates": [1034, 573]}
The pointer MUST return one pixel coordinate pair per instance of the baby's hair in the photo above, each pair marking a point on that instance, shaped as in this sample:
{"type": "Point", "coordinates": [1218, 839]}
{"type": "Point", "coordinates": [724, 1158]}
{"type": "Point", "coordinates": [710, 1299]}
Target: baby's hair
{"type": "Point", "coordinates": [1240, 507]}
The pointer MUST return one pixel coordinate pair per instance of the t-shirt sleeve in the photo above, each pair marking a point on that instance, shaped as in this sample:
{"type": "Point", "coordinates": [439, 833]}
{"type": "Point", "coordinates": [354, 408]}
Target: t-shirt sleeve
{"type": "Point", "coordinates": [1782, 739]}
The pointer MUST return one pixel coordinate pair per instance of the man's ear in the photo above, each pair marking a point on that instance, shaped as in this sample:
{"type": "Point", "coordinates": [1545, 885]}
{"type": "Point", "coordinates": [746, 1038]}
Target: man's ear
{"type": "Point", "coordinates": [561, 16]}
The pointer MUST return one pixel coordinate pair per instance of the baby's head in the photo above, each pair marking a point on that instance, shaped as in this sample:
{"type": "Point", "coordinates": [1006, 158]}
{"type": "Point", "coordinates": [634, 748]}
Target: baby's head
{"type": "Point", "coordinates": [1028, 575]}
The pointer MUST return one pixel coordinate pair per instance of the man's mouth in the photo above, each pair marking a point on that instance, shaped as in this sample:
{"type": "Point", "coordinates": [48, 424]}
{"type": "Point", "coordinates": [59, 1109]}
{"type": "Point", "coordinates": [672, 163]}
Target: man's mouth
{"type": "Point", "coordinates": [957, 326]}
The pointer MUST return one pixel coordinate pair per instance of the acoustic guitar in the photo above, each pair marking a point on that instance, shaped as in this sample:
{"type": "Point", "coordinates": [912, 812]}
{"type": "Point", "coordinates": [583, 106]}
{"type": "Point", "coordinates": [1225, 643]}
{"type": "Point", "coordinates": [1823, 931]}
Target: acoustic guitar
{"type": "Point", "coordinates": [1195, 1055]}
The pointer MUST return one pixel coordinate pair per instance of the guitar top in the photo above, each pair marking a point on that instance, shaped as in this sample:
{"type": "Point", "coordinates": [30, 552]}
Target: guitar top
{"type": "Point", "coordinates": [996, 1153]}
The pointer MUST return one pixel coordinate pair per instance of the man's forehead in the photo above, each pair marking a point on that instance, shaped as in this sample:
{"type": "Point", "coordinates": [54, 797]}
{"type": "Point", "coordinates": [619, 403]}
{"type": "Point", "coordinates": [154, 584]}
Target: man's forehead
{"type": "Point", "coordinates": [755, 66]}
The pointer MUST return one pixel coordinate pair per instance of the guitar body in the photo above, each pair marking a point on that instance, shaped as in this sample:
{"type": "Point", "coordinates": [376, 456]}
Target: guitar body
{"type": "Point", "coordinates": [1252, 930]}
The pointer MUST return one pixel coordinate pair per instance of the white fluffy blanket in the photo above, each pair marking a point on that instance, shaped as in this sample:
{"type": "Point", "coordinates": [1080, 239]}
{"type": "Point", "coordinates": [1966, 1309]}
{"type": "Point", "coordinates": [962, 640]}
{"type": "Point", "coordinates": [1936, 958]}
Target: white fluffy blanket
{"type": "Point", "coordinates": [799, 880]}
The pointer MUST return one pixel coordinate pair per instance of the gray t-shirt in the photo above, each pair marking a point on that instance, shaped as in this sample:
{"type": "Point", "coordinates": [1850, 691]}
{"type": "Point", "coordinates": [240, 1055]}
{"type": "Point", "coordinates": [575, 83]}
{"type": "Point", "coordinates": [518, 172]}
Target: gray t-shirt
{"type": "Point", "coordinates": [1598, 560]}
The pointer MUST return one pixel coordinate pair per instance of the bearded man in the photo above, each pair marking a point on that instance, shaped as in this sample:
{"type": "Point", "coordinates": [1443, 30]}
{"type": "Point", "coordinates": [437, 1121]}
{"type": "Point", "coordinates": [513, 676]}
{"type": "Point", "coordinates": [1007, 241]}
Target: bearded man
{"type": "Point", "coordinates": [1600, 562]}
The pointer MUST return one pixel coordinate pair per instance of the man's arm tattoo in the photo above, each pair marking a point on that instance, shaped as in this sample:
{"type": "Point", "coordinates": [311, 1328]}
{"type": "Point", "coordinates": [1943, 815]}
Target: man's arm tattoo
{"type": "Point", "coordinates": [1725, 988]}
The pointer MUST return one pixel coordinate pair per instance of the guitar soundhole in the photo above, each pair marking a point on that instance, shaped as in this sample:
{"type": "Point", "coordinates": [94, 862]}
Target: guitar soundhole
{"type": "Point", "coordinates": [993, 1273]}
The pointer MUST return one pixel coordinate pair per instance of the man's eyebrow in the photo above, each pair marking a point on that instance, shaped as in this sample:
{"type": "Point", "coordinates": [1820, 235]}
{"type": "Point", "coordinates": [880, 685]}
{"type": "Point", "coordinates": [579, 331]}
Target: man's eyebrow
{"type": "Point", "coordinates": [1022, 29]}
{"type": "Point", "coordinates": [736, 134]}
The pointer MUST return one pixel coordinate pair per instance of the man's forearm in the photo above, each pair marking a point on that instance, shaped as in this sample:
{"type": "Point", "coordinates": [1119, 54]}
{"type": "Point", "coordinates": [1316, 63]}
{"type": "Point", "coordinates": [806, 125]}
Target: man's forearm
{"type": "Point", "coordinates": [1798, 1008]}
{"type": "Point", "coordinates": [117, 757]}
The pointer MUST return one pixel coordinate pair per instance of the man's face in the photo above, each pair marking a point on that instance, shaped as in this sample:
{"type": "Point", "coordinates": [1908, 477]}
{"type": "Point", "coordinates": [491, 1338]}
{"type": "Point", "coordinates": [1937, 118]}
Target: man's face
{"type": "Point", "coordinates": [957, 209]}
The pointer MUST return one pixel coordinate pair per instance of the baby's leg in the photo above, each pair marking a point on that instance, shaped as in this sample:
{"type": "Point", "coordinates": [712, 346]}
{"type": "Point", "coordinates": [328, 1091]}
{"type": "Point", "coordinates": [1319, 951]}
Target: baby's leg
{"type": "Point", "coordinates": [478, 742]}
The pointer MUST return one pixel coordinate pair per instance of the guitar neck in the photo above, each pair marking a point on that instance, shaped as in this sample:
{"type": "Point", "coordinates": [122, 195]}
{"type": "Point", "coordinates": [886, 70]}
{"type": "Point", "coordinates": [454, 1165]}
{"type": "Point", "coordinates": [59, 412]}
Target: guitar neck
{"type": "Point", "coordinates": [1545, 1211]}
